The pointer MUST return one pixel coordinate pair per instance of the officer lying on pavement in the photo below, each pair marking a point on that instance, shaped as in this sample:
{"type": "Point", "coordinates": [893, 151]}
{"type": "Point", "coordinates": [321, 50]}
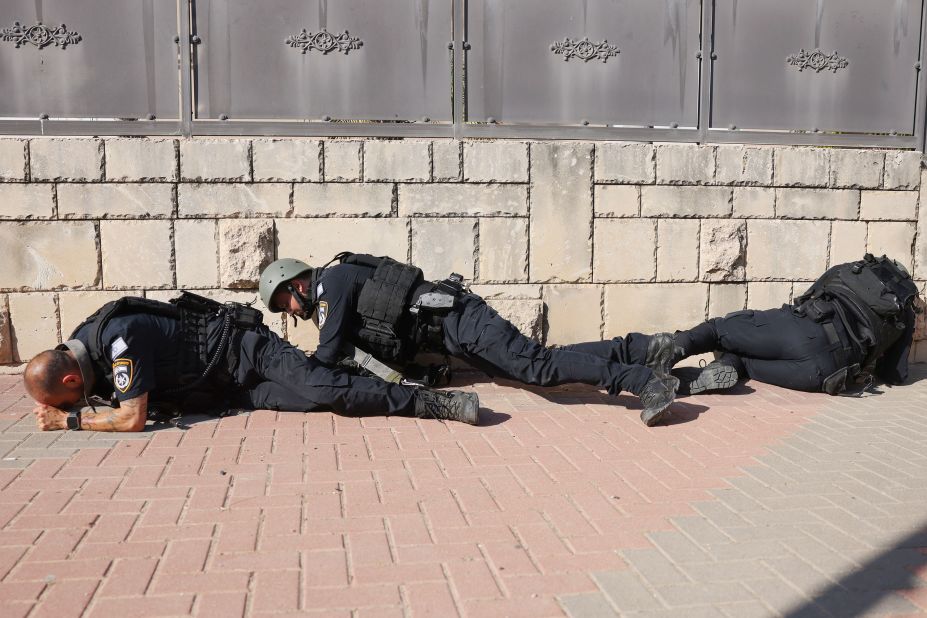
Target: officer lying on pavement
{"type": "Point", "coordinates": [854, 323]}
{"type": "Point", "coordinates": [197, 354]}
{"type": "Point", "coordinates": [377, 310]}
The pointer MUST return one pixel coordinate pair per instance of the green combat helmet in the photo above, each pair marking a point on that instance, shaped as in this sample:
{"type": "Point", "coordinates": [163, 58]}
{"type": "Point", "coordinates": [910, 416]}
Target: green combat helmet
{"type": "Point", "coordinates": [277, 274]}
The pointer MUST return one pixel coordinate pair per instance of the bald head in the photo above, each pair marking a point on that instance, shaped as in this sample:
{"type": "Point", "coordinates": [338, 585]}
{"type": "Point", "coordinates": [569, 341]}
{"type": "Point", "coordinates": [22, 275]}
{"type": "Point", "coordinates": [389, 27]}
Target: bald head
{"type": "Point", "coordinates": [53, 378]}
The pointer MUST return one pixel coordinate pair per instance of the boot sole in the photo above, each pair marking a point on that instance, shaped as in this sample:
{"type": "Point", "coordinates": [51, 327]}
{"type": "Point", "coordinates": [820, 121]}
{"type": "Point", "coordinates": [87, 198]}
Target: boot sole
{"type": "Point", "coordinates": [713, 378]}
{"type": "Point", "coordinates": [651, 416]}
{"type": "Point", "coordinates": [471, 413]}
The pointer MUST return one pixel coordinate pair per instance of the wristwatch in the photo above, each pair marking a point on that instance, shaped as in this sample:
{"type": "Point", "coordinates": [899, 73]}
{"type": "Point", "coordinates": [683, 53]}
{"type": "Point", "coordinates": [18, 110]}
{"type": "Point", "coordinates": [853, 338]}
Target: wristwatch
{"type": "Point", "coordinates": [74, 421]}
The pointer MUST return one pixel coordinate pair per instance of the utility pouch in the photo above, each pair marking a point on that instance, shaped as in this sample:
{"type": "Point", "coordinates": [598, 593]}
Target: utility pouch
{"type": "Point", "coordinates": [818, 310]}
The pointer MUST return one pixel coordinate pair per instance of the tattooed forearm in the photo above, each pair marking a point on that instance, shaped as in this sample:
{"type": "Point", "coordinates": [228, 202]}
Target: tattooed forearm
{"type": "Point", "coordinates": [130, 416]}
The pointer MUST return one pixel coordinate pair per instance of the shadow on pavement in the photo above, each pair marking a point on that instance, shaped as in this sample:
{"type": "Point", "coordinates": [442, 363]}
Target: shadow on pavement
{"type": "Point", "coordinates": [491, 418]}
{"type": "Point", "coordinates": [859, 592]}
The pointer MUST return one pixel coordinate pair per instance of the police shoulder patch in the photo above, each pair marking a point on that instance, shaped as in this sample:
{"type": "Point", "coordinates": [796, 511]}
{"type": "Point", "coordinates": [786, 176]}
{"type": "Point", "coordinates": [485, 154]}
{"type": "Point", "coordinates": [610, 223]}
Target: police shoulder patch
{"type": "Point", "coordinates": [323, 313]}
{"type": "Point", "coordinates": [122, 374]}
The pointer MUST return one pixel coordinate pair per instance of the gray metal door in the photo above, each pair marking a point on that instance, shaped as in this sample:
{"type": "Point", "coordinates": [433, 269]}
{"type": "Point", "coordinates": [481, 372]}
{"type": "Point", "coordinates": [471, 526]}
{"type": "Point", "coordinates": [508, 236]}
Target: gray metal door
{"type": "Point", "coordinates": [313, 59]}
{"type": "Point", "coordinates": [89, 59]}
{"type": "Point", "coordinates": [613, 62]}
{"type": "Point", "coordinates": [832, 65]}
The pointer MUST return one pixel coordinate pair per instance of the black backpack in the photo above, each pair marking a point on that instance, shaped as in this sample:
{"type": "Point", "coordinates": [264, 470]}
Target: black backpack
{"type": "Point", "coordinates": [873, 294]}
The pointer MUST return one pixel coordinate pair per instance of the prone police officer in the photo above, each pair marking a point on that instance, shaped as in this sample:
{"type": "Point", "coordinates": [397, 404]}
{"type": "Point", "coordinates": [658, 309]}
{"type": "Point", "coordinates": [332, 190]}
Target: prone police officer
{"type": "Point", "coordinates": [854, 324]}
{"type": "Point", "coordinates": [197, 353]}
{"type": "Point", "coordinates": [376, 309]}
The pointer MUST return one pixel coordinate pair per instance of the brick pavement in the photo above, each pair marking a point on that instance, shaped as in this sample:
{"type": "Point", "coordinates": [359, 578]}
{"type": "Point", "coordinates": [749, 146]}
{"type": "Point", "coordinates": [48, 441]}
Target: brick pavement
{"type": "Point", "coordinates": [767, 502]}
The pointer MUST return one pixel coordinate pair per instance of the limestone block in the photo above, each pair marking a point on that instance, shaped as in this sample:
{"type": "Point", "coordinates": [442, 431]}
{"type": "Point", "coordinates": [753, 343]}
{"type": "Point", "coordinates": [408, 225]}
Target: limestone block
{"type": "Point", "coordinates": [677, 250]}
{"type": "Point", "coordinates": [443, 246]}
{"type": "Point", "coordinates": [141, 159]}
{"type": "Point", "coordinates": [526, 315]}
{"type": "Point", "coordinates": [6, 341]}
{"type": "Point", "coordinates": [215, 159]}
{"type": "Point", "coordinates": [47, 256]}
{"type": "Point", "coordinates": [689, 164]}
{"type": "Point", "coordinates": [723, 253]}
{"type": "Point", "coordinates": [769, 294]}
{"type": "Point", "coordinates": [503, 254]}
{"type": "Point", "coordinates": [237, 200]}
{"type": "Point", "coordinates": [802, 167]}
{"type": "Point", "coordinates": [505, 291]}
{"type": "Point", "coordinates": [746, 165]}
{"type": "Point", "coordinates": [902, 170]}
{"type": "Point", "coordinates": [287, 159]}
{"type": "Point", "coordinates": [33, 324]}
{"type": "Point", "coordinates": [305, 335]}
{"type": "Point", "coordinates": [75, 307]}
{"type": "Point", "coordinates": [351, 199]}
{"type": "Point", "coordinates": [137, 254]}
{"type": "Point", "coordinates": [574, 313]}
{"type": "Point", "coordinates": [196, 253]}
{"type": "Point", "coordinates": [561, 212]}
{"type": "Point", "coordinates": [754, 202]}
{"type": "Point", "coordinates": [891, 205]}
{"type": "Point", "coordinates": [316, 241]}
{"type": "Point", "coordinates": [664, 201]}
{"type": "Point", "coordinates": [462, 200]}
{"type": "Point", "coordinates": [625, 163]}
{"type": "Point", "coordinates": [27, 201]}
{"type": "Point", "coordinates": [817, 203]}
{"type": "Point", "coordinates": [642, 307]}
{"type": "Point", "coordinates": [920, 249]}
{"type": "Point", "coordinates": [617, 201]}
{"type": "Point", "coordinates": [895, 240]}
{"type": "Point", "coordinates": [918, 352]}
{"type": "Point", "coordinates": [342, 160]}
{"type": "Point", "coordinates": [66, 159]}
{"type": "Point", "coordinates": [856, 169]}
{"type": "Point", "coordinates": [624, 250]}
{"type": "Point", "coordinates": [113, 201]}
{"type": "Point", "coordinates": [406, 160]}
{"type": "Point", "coordinates": [246, 246]}
{"type": "Point", "coordinates": [847, 241]}
{"type": "Point", "coordinates": [13, 161]}
{"type": "Point", "coordinates": [786, 250]}
{"type": "Point", "coordinates": [725, 298]}
{"type": "Point", "coordinates": [446, 157]}
{"type": "Point", "coordinates": [496, 161]}
{"type": "Point", "coordinates": [920, 308]}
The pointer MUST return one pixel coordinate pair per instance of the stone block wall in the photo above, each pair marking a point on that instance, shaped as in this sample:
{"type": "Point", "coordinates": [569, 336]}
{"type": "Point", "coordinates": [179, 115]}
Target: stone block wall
{"type": "Point", "coordinates": [571, 240]}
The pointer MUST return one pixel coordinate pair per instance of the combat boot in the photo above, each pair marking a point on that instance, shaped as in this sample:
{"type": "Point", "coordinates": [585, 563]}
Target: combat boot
{"type": "Point", "coordinates": [663, 353]}
{"type": "Point", "coordinates": [656, 398]}
{"type": "Point", "coordinates": [720, 374]}
{"type": "Point", "coordinates": [447, 405]}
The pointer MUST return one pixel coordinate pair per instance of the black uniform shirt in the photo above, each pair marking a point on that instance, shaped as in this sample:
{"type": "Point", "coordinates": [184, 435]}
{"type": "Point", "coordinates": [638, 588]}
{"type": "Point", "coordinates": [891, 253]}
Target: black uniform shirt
{"type": "Point", "coordinates": [337, 292]}
{"type": "Point", "coordinates": [145, 352]}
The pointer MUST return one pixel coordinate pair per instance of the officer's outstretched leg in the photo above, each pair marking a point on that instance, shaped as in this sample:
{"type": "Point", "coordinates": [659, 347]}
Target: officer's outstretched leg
{"type": "Point", "coordinates": [479, 335]}
{"type": "Point", "coordinates": [263, 356]}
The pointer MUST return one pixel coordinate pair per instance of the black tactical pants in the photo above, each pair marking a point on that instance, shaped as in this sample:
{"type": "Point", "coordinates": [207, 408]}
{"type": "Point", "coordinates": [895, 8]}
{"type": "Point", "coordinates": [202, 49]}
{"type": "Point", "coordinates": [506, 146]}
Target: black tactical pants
{"type": "Point", "coordinates": [776, 346]}
{"type": "Point", "coordinates": [273, 374]}
{"type": "Point", "coordinates": [477, 334]}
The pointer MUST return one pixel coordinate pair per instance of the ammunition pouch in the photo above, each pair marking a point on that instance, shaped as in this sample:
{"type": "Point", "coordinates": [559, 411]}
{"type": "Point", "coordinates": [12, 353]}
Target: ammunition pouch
{"type": "Point", "coordinates": [383, 305]}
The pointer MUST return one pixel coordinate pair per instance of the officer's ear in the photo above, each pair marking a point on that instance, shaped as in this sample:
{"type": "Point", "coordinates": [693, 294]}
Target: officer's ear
{"type": "Point", "coordinates": [301, 285]}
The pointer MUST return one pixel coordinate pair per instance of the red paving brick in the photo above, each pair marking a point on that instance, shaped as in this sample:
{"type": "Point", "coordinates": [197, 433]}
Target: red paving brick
{"type": "Point", "coordinates": [272, 512]}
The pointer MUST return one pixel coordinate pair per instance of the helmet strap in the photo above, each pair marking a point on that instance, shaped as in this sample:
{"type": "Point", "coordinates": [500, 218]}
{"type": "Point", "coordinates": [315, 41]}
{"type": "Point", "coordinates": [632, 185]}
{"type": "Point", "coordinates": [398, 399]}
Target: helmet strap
{"type": "Point", "coordinates": [306, 306]}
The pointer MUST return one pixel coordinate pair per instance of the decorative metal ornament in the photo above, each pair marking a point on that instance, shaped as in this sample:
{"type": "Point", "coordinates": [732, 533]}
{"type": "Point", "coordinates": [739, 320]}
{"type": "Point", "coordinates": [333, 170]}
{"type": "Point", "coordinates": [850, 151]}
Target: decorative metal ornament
{"type": "Point", "coordinates": [818, 61]}
{"type": "Point", "coordinates": [40, 35]}
{"type": "Point", "coordinates": [585, 50]}
{"type": "Point", "coordinates": [324, 41]}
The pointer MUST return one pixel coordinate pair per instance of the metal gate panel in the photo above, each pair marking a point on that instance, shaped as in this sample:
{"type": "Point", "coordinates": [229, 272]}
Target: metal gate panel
{"type": "Point", "coordinates": [89, 59]}
{"type": "Point", "coordinates": [319, 60]}
{"type": "Point", "coordinates": [831, 65]}
{"type": "Point", "coordinates": [570, 62]}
